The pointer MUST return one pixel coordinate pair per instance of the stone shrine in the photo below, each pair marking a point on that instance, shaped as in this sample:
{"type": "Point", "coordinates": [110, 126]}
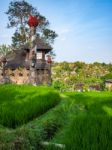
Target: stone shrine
{"type": "Point", "coordinates": [28, 65]}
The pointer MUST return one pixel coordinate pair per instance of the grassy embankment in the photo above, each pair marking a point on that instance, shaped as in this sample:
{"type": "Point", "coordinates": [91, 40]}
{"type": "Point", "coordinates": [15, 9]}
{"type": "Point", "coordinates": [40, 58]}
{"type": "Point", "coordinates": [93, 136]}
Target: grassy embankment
{"type": "Point", "coordinates": [81, 121]}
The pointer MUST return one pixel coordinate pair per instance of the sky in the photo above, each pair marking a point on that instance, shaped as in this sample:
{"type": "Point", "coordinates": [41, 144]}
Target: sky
{"type": "Point", "coordinates": [84, 28]}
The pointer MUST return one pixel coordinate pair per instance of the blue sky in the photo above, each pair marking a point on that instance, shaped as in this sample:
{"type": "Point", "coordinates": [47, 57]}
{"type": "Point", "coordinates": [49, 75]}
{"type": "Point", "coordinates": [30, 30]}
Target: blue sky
{"type": "Point", "coordinates": [84, 28]}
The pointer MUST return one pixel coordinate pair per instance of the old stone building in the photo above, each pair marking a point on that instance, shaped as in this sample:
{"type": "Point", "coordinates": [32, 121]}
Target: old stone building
{"type": "Point", "coordinates": [17, 67]}
{"type": "Point", "coordinates": [28, 65]}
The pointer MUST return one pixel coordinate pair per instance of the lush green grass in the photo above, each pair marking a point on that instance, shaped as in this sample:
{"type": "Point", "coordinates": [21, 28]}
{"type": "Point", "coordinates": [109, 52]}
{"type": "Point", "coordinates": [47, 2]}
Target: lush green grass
{"type": "Point", "coordinates": [89, 123]}
{"type": "Point", "coordinates": [19, 104]}
{"type": "Point", "coordinates": [89, 132]}
{"type": "Point", "coordinates": [30, 135]}
{"type": "Point", "coordinates": [81, 121]}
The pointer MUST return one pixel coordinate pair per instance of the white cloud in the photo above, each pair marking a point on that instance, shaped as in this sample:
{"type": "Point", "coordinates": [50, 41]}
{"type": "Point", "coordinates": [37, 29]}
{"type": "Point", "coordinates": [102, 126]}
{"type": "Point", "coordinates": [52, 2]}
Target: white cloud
{"type": "Point", "coordinates": [5, 36]}
{"type": "Point", "coordinates": [63, 32]}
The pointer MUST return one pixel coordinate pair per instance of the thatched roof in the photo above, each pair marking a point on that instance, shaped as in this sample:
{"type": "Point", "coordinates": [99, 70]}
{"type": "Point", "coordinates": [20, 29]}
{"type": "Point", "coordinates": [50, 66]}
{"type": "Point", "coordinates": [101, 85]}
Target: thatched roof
{"type": "Point", "coordinates": [17, 58]}
{"type": "Point", "coordinates": [13, 65]}
{"type": "Point", "coordinates": [17, 61]}
{"type": "Point", "coordinates": [41, 45]}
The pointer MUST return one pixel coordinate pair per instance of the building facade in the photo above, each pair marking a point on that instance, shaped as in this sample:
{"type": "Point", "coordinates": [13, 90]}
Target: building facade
{"type": "Point", "coordinates": [28, 65]}
{"type": "Point", "coordinates": [19, 68]}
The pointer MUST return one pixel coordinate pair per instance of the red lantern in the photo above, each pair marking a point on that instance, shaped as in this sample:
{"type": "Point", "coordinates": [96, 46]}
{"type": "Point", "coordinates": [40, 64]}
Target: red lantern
{"type": "Point", "coordinates": [33, 21]}
{"type": "Point", "coordinates": [49, 60]}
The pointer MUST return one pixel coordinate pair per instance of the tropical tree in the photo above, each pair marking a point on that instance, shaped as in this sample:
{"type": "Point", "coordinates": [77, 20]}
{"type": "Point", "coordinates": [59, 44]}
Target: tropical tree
{"type": "Point", "coordinates": [18, 13]}
{"type": "Point", "coordinates": [4, 50]}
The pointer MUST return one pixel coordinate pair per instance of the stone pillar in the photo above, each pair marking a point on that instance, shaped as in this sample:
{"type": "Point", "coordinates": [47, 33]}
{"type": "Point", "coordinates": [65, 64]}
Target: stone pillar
{"type": "Point", "coordinates": [4, 78]}
{"type": "Point", "coordinates": [32, 57]}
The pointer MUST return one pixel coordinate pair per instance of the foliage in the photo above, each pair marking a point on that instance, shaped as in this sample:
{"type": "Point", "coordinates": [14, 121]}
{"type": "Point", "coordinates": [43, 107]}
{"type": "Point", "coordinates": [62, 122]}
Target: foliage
{"type": "Point", "coordinates": [4, 50]}
{"type": "Point", "coordinates": [18, 13]}
{"type": "Point", "coordinates": [89, 122]}
{"type": "Point", "coordinates": [107, 76]}
{"type": "Point", "coordinates": [73, 75]}
{"type": "Point", "coordinates": [83, 117]}
{"type": "Point", "coordinates": [90, 132]}
{"type": "Point", "coordinates": [57, 85]}
{"type": "Point", "coordinates": [31, 100]}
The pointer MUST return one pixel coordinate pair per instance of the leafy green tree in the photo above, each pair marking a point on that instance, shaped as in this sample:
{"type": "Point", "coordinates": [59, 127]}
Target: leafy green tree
{"type": "Point", "coordinates": [4, 50]}
{"type": "Point", "coordinates": [68, 75]}
{"type": "Point", "coordinates": [18, 13]}
{"type": "Point", "coordinates": [110, 67]}
{"type": "Point", "coordinates": [57, 85]}
{"type": "Point", "coordinates": [107, 76]}
{"type": "Point", "coordinates": [79, 66]}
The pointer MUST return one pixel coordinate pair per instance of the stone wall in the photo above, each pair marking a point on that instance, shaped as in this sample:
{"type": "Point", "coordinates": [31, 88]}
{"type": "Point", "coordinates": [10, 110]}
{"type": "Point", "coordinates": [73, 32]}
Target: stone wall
{"type": "Point", "coordinates": [23, 76]}
{"type": "Point", "coordinates": [43, 77]}
{"type": "Point", "coordinates": [18, 76]}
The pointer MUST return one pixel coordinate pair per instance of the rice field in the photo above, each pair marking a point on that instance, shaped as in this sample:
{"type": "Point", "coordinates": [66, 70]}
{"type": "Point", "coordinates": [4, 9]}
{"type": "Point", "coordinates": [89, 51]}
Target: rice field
{"type": "Point", "coordinates": [89, 124]}
{"type": "Point", "coordinates": [20, 104]}
{"type": "Point", "coordinates": [80, 121]}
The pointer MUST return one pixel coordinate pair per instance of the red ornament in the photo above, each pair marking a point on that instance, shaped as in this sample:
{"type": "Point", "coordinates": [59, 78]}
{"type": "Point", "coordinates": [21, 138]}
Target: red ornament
{"type": "Point", "coordinates": [49, 61]}
{"type": "Point", "coordinates": [33, 21]}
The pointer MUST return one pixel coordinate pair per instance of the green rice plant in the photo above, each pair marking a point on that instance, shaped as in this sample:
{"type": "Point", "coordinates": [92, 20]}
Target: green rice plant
{"type": "Point", "coordinates": [81, 121]}
{"type": "Point", "coordinates": [89, 124]}
{"type": "Point", "coordinates": [87, 132]}
{"type": "Point", "coordinates": [19, 104]}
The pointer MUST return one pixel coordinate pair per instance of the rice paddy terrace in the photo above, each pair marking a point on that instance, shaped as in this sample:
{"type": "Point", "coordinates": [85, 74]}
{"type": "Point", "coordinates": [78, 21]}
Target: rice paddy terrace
{"type": "Point", "coordinates": [41, 118]}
